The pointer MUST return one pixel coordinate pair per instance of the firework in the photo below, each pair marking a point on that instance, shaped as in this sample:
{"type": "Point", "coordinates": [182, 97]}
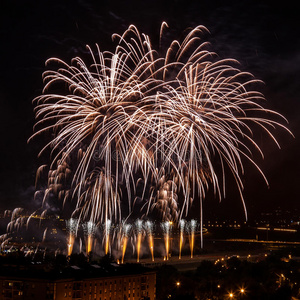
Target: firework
{"type": "Point", "coordinates": [192, 227]}
{"type": "Point", "coordinates": [181, 237]}
{"type": "Point", "coordinates": [45, 234]}
{"type": "Point", "coordinates": [166, 227]}
{"type": "Point", "coordinates": [149, 230]}
{"type": "Point", "coordinates": [89, 229]}
{"type": "Point", "coordinates": [125, 230]}
{"type": "Point", "coordinates": [139, 234]}
{"type": "Point", "coordinates": [179, 121]}
{"type": "Point", "coordinates": [80, 245]}
{"type": "Point", "coordinates": [72, 227]}
{"type": "Point", "coordinates": [107, 229]}
{"type": "Point", "coordinates": [166, 201]}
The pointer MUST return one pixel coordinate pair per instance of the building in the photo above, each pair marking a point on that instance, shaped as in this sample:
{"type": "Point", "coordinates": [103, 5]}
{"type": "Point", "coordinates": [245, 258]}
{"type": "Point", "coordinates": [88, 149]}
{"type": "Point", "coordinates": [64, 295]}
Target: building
{"type": "Point", "coordinates": [131, 282]}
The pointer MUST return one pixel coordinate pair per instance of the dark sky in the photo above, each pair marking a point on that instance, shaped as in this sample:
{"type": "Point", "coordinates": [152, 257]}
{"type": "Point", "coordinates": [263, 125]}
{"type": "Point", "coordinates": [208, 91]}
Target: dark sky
{"type": "Point", "coordinates": [265, 38]}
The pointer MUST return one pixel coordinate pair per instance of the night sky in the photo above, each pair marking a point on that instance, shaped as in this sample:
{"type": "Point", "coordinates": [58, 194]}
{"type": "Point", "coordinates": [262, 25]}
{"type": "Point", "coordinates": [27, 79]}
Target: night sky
{"type": "Point", "coordinates": [265, 38]}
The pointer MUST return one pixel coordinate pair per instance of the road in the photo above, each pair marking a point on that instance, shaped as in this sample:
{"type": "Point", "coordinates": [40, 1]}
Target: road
{"type": "Point", "coordinates": [186, 263]}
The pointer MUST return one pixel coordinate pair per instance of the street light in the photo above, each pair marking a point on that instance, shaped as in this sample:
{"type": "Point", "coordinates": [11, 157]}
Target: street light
{"type": "Point", "coordinates": [242, 291]}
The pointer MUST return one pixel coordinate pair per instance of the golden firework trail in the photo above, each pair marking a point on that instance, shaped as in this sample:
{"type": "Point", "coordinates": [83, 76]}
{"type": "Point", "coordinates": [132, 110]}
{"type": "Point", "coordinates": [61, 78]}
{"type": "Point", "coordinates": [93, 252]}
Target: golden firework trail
{"type": "Point", "coordinates": [124, 246]}
{"type": "Point", "coordinates": [70, 244]}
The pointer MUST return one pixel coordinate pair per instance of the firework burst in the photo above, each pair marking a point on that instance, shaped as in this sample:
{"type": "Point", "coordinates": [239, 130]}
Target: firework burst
{"type": "Point", "coordinates": [178, 121]}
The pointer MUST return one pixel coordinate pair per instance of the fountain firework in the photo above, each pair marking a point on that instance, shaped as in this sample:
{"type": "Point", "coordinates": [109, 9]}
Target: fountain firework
{"type": "Point", "coordinates": [169, 120]}
{"type": "Point", "coordinates": [89, 229]}
{"type": "Point", "coordinates": [125, 230]}
{"type": "Point", "coordinates": [72, 227]}
{"type": "Point", "coordinates": [166, 227]}
{"type": "Point", "coordinates": [139, 234]}
{"type": "Point", "coordinates": [181, 235]}
{"type": "Point", "coordinates": [192, 227]}
{"type": "Point", "coordinates": [149, 230]}
{"type": "Point", "coordinates": [107, 229]}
